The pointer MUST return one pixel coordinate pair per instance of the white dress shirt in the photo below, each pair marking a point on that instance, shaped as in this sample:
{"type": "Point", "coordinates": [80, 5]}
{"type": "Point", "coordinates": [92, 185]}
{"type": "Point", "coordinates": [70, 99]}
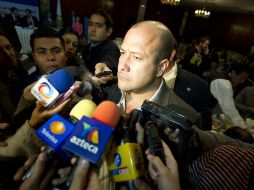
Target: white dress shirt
{"type": "Point", "coordinates": [222, 90]}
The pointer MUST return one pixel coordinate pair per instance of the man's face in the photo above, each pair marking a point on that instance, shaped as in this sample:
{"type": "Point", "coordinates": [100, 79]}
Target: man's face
{"type": "Point", "coordinates": [97, 29]}
{"type": "Point", "coordinates": [237, 79]}
{"type": "Point", "coordinates": [28, 14]}
{"type": "Point", "coordinates": [9, 51]}
{"type": "Point", "coordinates": [71, 44]}
{"type": "Point", "coordinates": [15, 12]}
{"type": "Point", "coordinates": [48, 54]}
{"type": "Point", "coordinates": [205, 45]}
{"type": "Point", "coordinates": [138, 67]}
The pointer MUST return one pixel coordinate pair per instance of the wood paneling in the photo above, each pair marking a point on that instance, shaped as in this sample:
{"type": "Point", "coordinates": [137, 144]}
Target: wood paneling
{"type": "Point", "coordinates": [226, 29]}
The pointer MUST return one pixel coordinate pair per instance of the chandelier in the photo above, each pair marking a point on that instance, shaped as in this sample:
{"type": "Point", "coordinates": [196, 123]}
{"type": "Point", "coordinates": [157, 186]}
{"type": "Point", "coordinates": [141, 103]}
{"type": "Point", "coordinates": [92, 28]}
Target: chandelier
{"type": "Point", "coordinates": [170, 2]}
{"type": "Point", "coordinates": [202, 13]}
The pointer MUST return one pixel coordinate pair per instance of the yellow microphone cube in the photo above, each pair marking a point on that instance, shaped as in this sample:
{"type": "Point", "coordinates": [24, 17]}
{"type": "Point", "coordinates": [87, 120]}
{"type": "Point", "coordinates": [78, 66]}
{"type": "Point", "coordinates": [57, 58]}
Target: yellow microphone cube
{"type": "Point", "coordinates": [126, 162]}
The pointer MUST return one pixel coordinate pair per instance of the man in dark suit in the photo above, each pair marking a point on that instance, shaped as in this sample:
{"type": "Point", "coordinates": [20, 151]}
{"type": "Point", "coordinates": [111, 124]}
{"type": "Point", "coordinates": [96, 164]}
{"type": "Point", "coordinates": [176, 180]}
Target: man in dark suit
{"type": "Point", "coordinates": [7, 25]}
{"type": "Point", "coordinates": [28, 20]}
{"type": "Point", "coordinates": [192, 89]}
{"type": "Point", "coordinates": [13, 18]}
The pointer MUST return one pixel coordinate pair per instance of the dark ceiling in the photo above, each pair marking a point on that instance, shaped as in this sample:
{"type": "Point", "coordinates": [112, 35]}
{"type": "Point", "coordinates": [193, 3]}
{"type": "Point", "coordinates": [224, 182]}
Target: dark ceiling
{"type": "Point", "coordinates": [237, 6]}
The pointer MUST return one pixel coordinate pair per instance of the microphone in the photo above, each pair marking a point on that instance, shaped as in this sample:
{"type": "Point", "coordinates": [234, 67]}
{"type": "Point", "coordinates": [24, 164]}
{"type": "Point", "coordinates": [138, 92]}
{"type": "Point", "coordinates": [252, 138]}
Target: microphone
{"type": "Point", "coordinates": [91, 135]}
{"type": "Point", "coordinates": [126, 162]}
{"type": "Point", "coordinates": [49, 88]}
{"type": "Point", "coordinates": [85, 88]}
{"type": "Point", "coordinates": [57, 129]}
{"type": "Point", "coordinates": [81, 88]}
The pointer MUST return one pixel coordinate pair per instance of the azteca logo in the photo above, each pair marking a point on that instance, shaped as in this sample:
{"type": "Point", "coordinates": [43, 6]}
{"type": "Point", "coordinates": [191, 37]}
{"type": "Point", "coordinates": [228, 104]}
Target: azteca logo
{"type": "Point", "coordinates": [57, 127]}
{"type": "Point", "coordinates": [45, 90]}
{"type": "Point", "coordinates": [90, 133]}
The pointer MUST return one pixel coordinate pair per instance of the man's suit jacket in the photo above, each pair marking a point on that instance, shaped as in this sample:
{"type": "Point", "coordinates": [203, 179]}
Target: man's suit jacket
{"type": "Point", "coordinates": [194, 91]}
{"type": "Point", "coordinates": [24, 21]}
{"type": "Point", "coordinates": [9, 19]}
{"type": "Point", "coordinates": [7, 26]}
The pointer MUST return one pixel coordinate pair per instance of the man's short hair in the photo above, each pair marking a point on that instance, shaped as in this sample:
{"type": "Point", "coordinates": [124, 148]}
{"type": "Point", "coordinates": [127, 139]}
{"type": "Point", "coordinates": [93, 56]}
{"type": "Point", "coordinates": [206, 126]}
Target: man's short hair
{"type": "Point", "coordinates": [28, 10]}
{"type": "Point", "coordinates": [13, 9]}
{"type": "Point", "coordinates": [203, 39]}
{"type": "Point", "coordinates": [239, 68]}
{"type": "Point", "coordinates": [167, 40]}
{"type": "Point", "coordinates": [45, 33]}
{"type": "Point", "coordinates": [68, 30]}
{"type": "Point", "coordinates": [106, 16]}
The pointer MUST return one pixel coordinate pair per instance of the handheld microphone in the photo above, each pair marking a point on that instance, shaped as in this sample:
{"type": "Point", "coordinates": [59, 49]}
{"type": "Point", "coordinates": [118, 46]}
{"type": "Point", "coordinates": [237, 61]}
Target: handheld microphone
{"type": "Point", "coordinates": [55, 131]}
{"type": "Point", "coordinates": [91, 135]}
{"type": "Point", "coordinates": [126, 162]}
{"type": "Point", "coordinates": [85, 88]}
{"type": "Point", "coordinates": [49, 88]}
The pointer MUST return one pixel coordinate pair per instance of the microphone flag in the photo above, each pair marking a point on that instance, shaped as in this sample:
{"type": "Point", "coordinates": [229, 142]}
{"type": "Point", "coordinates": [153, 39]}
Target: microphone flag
{"type": "Point", "coordinates": [126, 162]}
{"type": "Point", "coordinates": [89, 139]}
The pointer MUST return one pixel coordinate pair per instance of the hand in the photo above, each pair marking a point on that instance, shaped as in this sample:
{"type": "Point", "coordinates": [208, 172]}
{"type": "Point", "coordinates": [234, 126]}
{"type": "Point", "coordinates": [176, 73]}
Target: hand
{"type": "Point", "coordinates": [167, 177]}
{"type": "Point", "coordinates": [82, 173]}
{"type": "Point", "coordinates": [140, 133]}
{"type": "Point", "coordinates": [27, 93]}
{"type": "Point", "coordinates": [41, 175]}
{"type": "Point", "coordinates": [2, 127]}
{"type": "Point", "coordinates": [21, 171]}
{"type": "Point", "coordinates": [84, 177]}
{"type": "Point", "coordinates": [251, 109]}
{"type": "Point", "coordinates": [99, 67]}
{"type": "Point", "coordinates": [173, 134]}
{"type": "Point", "coordinates": [40, 113]}
{"type": "Point", "coordinates": [140, 185]}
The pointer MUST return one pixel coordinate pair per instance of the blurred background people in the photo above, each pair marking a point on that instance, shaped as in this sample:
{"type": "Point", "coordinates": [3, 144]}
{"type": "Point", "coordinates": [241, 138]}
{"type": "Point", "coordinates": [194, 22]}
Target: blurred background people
{"type": "Point", "coordinates": [78, 26]}
{"type": "Point", "coordinates": [71, 43]}
{"type": "Point", "coordinates": [222, 88]}
{"type": "Point", "coordinates": [12, 74]}
{"type": "Point", "coordinates": [244, 102]}
{"type": "Point", "coordinates": [196, 59]}
{"type": "Point", "coordinates": [13, 18]}
{"type": "Point", "coordinates": [29, 20]}
{"type": "Point", "coordinates": [48, 21]}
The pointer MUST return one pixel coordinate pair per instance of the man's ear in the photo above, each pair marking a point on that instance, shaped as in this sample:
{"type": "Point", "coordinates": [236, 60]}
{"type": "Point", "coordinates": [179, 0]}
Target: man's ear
{"type": "Point", "coordinates": [172, 55]}
{"type": "Point", "coordinates": [110, 30]}
{"type": "Point", "coordinates": [163, 65]}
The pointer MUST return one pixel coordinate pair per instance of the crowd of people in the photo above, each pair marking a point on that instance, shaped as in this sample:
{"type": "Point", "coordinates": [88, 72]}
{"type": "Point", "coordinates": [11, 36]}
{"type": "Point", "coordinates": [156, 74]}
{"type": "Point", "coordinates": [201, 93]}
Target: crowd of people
{"type": "Point", "coordinates": [145, 67]}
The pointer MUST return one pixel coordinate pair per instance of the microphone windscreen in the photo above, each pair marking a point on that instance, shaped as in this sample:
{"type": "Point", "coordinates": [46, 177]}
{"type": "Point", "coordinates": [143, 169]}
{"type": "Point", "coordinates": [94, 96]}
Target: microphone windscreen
{"type": "Point", "coordinates": [61, 80]}
{"type": "Point", "coordinates": [85, 88]}
{"type": "Point", "coordinates": [83, 108]}
{"type": "Point", "coordinates": [72, 70]}
{"type": "Point", "coordinates": [107, 113]}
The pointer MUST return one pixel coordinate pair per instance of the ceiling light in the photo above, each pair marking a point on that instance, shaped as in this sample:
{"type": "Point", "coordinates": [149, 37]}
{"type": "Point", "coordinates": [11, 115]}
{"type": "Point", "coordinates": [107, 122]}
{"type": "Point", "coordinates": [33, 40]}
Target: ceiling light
{"type": "Point", "coordinates": [202, 13]}
{"type": "Point", "coordinates": [170, 2]}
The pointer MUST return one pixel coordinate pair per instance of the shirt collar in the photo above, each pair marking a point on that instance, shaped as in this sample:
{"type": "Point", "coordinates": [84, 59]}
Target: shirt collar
{"type": "Point", "coordinates": [170, 76]}
{"type": "Point", "coordinates": [122, 105]}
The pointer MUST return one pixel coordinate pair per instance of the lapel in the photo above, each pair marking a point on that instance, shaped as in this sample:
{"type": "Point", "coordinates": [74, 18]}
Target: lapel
{"type": "Point", "coordinates": [163, 95]}
{"type": "Point", "coordinates": [182, 82]}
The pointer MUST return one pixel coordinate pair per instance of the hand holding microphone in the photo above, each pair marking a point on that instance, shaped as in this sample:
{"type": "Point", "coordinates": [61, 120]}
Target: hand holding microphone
{"type": "Point", "coordinates": [91, 136]}
{"type": "Point", "coordinates": [49, 88]}
{"type": "Point", "coordinates": [40, 114]}
{"type": "Point", "coordinates": [57, 129]}
{"type": "Point", "coordinates": [166, 176]}
{"type": "Point", "coordinates": [43, 172]}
